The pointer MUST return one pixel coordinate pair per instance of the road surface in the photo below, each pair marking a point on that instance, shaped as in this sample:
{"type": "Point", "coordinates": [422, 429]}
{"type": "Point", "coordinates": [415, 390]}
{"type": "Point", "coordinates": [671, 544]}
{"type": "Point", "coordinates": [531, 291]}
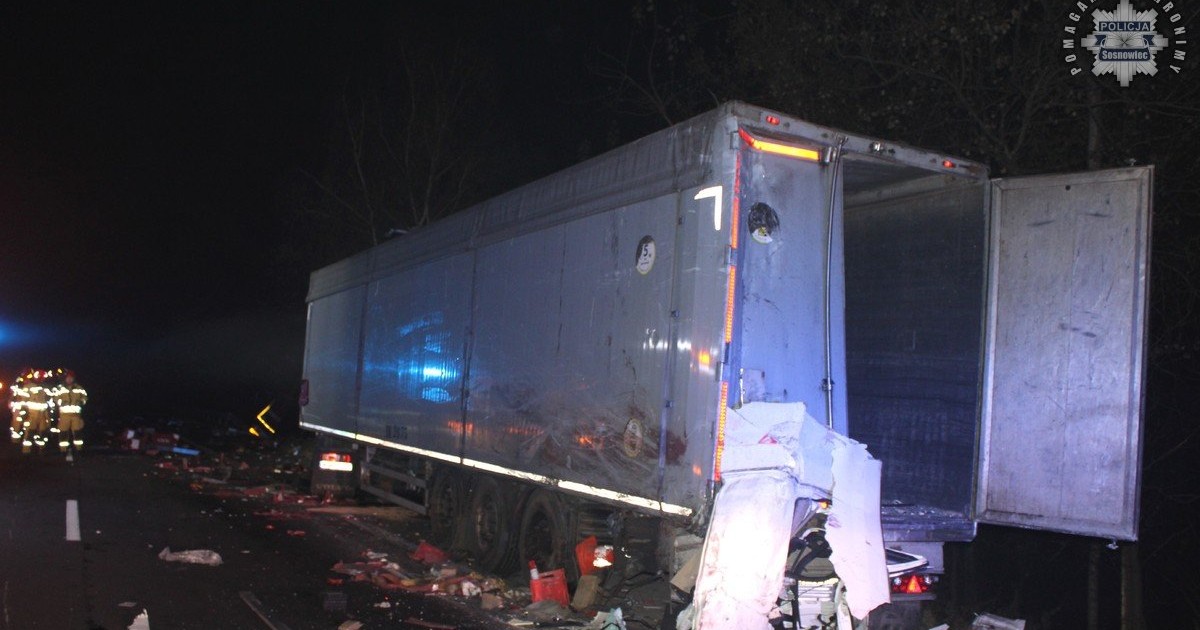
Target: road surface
{"type": "Point", "coordinates": [80, 546]}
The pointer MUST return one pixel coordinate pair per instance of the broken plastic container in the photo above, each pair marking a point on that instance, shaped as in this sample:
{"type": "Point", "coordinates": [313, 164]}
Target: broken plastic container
{"type": "Point", "coordinates": [550, 585]}
{"type": "Point", "coordinates": [585, 554]}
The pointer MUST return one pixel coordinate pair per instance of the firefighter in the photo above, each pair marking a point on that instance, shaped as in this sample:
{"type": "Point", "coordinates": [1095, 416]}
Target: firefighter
{"type": "Point", "coordinates": [37, 414]}
{"type": "Point", "coordinates": [18, 396]}
{"type": "Point", "coordinates": [70, 397]}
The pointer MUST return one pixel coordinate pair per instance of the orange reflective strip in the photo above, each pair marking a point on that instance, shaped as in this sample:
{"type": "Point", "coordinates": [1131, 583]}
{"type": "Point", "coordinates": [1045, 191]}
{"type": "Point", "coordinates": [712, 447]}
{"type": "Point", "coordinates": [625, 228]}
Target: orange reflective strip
{"type": "Point", "coordinates": [780, 149]}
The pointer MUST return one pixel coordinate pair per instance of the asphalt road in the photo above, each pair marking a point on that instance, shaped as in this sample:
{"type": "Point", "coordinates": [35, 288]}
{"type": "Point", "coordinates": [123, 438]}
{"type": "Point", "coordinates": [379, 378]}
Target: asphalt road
{"type": "Point", "coordinates": [80, 546]}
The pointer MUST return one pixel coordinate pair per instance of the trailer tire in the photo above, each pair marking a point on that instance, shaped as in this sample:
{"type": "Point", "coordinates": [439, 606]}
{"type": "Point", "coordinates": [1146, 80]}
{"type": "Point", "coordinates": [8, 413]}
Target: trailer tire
{"type": "Point", "coordinates": [545, 534]}
{"type": "Point", "coordinates": [446, 505]}
{"type": "Point", "coordinates": [490, 526]}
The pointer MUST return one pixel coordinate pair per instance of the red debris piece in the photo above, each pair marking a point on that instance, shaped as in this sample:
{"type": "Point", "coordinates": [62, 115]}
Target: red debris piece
{"type": "Point", "coordinates": [550, 585]}
{"type": "Point", "coordinates": [357, 568]}
{"type": "Point", "coordinates": [585, 555]}
{"type": "Point", "coordinates": [428, 554]}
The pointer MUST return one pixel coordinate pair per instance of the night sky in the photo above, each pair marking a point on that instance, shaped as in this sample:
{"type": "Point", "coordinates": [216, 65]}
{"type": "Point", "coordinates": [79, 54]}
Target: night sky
{"type": "Point", "coordinates": [145, 155]}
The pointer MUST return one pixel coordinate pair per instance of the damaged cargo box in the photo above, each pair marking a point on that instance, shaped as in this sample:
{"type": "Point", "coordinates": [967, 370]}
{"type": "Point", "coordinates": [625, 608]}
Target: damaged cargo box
{"type": "Point", "coordinates": [574, 358]}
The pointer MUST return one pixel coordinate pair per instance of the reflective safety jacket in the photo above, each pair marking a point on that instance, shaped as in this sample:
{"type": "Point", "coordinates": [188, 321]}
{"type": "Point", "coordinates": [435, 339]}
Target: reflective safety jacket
{"type": "Point", "coordinates": [70, 397]}
{"type": "Point", "coordinates": [38, 399]}
{"type": "Point", "coordinates": [19, 396]}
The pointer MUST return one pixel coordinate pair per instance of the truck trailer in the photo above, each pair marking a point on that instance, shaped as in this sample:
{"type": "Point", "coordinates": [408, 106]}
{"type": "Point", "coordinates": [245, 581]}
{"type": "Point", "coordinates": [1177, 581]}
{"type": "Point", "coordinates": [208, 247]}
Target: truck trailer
{"type": "Point", "coordinates": [721, 334]}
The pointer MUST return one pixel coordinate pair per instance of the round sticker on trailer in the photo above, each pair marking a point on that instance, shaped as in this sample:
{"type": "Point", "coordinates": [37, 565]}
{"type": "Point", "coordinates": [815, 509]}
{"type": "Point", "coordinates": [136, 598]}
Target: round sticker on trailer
{"type": "Point", "coordinates": [644, 258]}
{"type": "Point", "coordinates": [631, 441]}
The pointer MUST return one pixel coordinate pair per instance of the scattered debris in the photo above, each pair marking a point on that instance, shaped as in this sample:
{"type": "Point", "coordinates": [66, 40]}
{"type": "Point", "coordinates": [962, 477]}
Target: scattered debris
{"type": "Point", "coordinates": [428, 554]}
{"type": "Point", "coordinates": [546, 610]}
{"type": "Point", "coordinates": [428, 624]}
{"type": "Point", "coordinates": [988, 621]}
{"type": "Point", "coordinates": [585, 555]}
{"type": "Point", "coordinates": [611, 620]}
{"type": "Point", "coordinates": [141, 622]}
{"type": "Point", "coordinates": [550, 585]}
{"type": "Point", "coordinates": [586, 591]}
{"type": "Point", "coordinates": [490, 601]}
{"type": "Point", "coordinates": [192, 556]}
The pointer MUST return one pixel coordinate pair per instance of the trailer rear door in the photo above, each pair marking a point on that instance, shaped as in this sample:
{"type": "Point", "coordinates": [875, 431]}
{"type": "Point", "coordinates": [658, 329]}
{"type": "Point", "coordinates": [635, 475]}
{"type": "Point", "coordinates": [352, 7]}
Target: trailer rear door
{"type": "Point", "coordinates": [1062, 403]}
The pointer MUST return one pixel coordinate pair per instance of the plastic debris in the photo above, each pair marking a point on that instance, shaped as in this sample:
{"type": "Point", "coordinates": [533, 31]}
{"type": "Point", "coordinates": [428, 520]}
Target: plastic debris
{"type": "Point", "coordinates": [611, 620]}
{"type": "Point", "coordinates": [585, 555]}
{"type": "Point", "coordinates": [546, 610]}
{"type": "Point", "coordinates": [428, 554]}
{"type": "Point", "coordinates": [988, 621]}
{"type": "Point", "coordinates": [550, 585]}
{"type": "Point", "coordinates": [141, 622]}
{"type": "Point", "coordinates": [192, 556]}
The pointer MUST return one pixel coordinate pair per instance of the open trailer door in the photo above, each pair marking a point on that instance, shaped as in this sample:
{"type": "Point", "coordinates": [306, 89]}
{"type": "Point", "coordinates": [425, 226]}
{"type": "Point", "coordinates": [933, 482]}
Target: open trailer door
{"type": "Point", "coordinates": [1061, 439]}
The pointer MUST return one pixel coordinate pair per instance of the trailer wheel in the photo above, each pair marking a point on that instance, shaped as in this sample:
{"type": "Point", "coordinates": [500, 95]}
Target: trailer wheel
{"type": "Point", "coordinates": [544, 535]}
{"type": "Point", "coordinates": [446, 503]}
{"type": "Point", "coordinates": [490, 525]}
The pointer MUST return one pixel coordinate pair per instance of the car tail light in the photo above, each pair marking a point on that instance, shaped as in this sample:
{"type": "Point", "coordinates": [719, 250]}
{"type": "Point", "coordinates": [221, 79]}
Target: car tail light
{"type": "Point", "coordinates": [913, 583]}
{"type": "Point", "coordinates": [340, 462]}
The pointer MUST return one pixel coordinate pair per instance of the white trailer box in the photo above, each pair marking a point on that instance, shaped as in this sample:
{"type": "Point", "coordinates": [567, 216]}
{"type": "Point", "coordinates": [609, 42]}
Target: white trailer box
{"type": "Point", "coordinates": [570, 350]}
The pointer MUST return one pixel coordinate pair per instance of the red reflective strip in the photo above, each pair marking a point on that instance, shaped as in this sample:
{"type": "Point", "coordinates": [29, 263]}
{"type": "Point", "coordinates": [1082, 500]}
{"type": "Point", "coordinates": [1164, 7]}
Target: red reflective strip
{"type": "Point", "coordinates": [729, 296]}
{"type": "Point", "coordinates": [722, 416]}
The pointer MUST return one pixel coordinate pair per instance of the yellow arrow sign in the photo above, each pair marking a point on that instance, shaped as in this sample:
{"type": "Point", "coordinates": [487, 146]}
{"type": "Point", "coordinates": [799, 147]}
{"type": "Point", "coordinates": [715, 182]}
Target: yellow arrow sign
{"type": "Point", "coordinates": [264, 422]}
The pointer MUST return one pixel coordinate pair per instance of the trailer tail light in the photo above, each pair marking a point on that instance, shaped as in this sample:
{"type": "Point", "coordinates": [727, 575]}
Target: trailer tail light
{"type": "Point", "coordinates": [339, 462]}
{"type": "Point", "coordinates": [913, 583]}
{"type": "Point", "coordinates": [777, 148]}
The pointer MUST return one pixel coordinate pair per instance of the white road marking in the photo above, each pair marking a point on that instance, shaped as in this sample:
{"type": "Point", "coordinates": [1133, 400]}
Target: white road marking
{"type": "Point", "coordinates": [73, 520]}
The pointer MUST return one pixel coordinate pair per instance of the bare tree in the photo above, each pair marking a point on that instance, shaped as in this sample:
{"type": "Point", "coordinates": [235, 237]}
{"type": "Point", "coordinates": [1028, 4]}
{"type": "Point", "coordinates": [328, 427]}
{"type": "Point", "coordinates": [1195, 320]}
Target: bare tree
{"type": "Point", "coordinates": [402, 151]}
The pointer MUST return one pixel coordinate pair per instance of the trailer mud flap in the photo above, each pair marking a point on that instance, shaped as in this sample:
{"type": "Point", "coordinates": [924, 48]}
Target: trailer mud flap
{"type": "Point", "coordinates": [778, 457]}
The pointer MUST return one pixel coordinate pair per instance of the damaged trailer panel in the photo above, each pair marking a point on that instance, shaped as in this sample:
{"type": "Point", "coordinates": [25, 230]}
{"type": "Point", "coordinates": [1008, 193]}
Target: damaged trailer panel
{"type": "Point", "coordinates": [590, 334]}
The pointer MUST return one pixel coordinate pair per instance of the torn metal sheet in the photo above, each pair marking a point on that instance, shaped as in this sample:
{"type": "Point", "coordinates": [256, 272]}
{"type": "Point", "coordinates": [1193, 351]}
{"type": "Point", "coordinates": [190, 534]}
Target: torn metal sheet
{"type": "Point", "coordinates": [742, 564]}
{"type": "Point", "coordinates": [853, 528]}
{"type": "Point", "coordinates": [775, 455]}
